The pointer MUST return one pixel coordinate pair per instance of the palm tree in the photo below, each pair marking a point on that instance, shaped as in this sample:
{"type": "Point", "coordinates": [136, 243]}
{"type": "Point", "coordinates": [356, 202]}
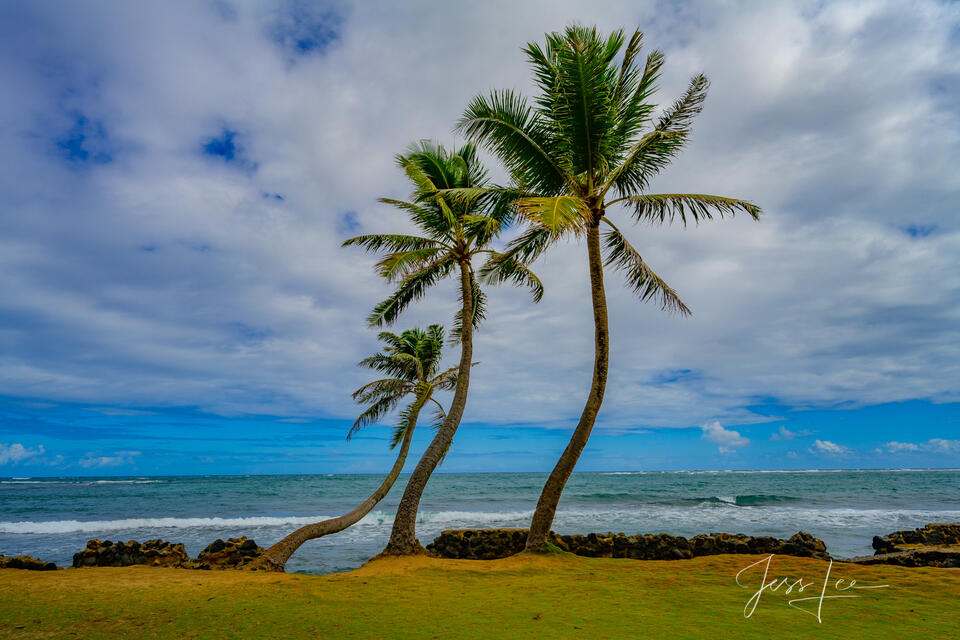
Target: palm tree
{"type": "Point", "coordinates": [588, 144]}
{"type": "Point", "coordinates": [454, 230]}
{"type": "Point", "coordinates": [411, 360]}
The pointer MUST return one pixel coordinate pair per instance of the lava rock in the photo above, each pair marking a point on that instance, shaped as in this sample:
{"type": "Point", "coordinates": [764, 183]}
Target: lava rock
{"type": "Point", "coordinates": [488, 544]}
{"type": "Point", "coordinates": [28, 563]}
{"type": "Point", "coordinates": [935, 545]}
{"type": "Point", "coordinates": [933, 556]}
{"type": "Point", "coordinates": [232, 553]}
{"type": "Point", "coordinates": [154, 553]}
{"type": "Point", "coordinates": [933, 534]}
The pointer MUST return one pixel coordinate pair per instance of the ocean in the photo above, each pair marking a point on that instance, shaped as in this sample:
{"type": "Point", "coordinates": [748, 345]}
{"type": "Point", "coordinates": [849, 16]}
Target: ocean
{"type": "Point", "coordinates": [52, 518]}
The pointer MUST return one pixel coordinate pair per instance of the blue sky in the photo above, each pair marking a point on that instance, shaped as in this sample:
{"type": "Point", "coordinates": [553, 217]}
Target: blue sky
{"type": "Point", "coordinates": [177, 180]}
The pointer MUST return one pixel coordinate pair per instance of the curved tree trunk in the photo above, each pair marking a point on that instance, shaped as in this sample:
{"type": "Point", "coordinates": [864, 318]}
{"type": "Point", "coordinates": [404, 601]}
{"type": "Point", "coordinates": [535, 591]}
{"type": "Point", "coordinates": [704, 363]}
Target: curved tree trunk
{"type": "Point", "coordinates": [275, 558]}
{"type": "Point", "coordinates": [550, 496]}
{"type": "Point", "coordinates": [403, 537]}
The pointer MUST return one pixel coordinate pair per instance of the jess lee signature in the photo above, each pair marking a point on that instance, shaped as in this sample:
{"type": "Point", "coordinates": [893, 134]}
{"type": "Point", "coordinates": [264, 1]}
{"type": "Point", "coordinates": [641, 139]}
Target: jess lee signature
{"type": "Point", "coordinates": [827, 590]}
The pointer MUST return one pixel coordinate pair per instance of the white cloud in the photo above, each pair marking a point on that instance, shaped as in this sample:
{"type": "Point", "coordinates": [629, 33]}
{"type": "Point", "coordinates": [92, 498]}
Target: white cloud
{"type": "Point", "coordinates": [828, 448]}
{"type": "Point", "coordinates": [198, 287]}
{"type": "Point", "coordinates": [118, 458]}
{"type": "Point", "coordinates": [934, 445]}
{"type": "Point", "coordinates": [727, 439]}
{"type": "Point", "coordinates": [16, 452]}
{"type": "Point", "coordinates": [785, 434]}
{"type": "Point", "coordinates": [939, 445]}
{"type": "Point", "coordinates": [897, 447]}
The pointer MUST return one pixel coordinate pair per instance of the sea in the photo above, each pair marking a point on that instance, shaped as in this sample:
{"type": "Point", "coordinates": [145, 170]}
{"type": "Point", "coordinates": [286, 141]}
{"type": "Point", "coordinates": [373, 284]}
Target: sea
{"type": "Point", "coordinates": [52, 518]}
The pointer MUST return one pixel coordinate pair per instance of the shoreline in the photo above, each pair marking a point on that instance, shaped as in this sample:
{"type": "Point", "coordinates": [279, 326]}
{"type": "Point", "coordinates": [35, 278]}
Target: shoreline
{"type": "Point", "coordinates": [933, 545]}
{"type": "Point", "coordinates": [52, 520]}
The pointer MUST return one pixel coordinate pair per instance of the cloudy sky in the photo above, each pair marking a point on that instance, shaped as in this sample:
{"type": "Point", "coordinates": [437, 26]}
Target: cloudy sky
{"type": "Point", "coordinates": [178, 177]}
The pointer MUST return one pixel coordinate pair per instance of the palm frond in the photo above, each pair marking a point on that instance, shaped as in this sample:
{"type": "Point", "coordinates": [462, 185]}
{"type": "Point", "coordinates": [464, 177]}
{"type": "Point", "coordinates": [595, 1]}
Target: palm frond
{"type": "Point", "coordinates": [374, 413]}
{"type": "Point", "coordinates": [390, 242]}
{"type": "Point", "coordinates": [415, 171]}
{"type": "Point", "coordinates": [627, 80]}
{"type": "Point", "coordinates": [447, 380]}
{"type": "Point", "coordinates": [525, 248]}
{"type": "Point", "coordinates": [580, 102]}
{"type": "Point", "coordinates": [390, 365]}
{"type": "Point", "coordinates": [658, 148]}
{"type": "Point", "coordinates": [427, 217]}
{"type": "Point", "coordinates": [430, 350]}
{"type": "Point", "coordinates": [407, 420]}
{"type": "Point", "coordinates": [439, 415]}
{"type": "Point", "coordinates": [505, 266]}
{"type": "Point", "coordinates": [411, 288]}
{"type": "Point", "coordinates": [512, 131]}
{"type": "Point", "coordinates": [558, 214]}
{"type": "Point", "coordinates": [401, 264]}
{"type": "Point", "coordinates": [479, 310]}
{"type": "Point", "coordinates": [382, 388]}
{"type": "Point", "coordinates": [645, 283]}
{"type": "Point", "coordinates": [664, 208]}
{"type": "Point", "coordinates": [633, 107]}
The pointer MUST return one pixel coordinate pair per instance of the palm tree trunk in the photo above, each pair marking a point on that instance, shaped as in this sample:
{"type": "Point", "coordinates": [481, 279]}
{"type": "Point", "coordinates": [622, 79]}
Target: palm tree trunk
{"type": "Point", "coordinates": [550, 496]}
{"type": "Point", "coordinates": [403, 537]}
{"type": "Point", "coordinates": [275, 558]}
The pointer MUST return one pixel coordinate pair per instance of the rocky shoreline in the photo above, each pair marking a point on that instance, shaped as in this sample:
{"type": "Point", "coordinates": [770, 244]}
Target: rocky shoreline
{"type": "Point", "coordinates": [490, 544]}
{"type": "Point", "coordinates": [934, 545]}
{"type": "Point", "coordinates": [233, 553]}
{"type": "Point", "coordinates": [28, 563]}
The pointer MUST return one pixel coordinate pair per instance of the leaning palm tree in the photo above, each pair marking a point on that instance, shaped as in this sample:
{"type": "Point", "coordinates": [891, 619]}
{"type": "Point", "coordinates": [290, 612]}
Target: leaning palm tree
{"type": "Point", "coordinates": [454, 230]}
{"type": "Point", "coordinates": [588, 145]}
{"type": "Point", "coordinates": [411, 361]}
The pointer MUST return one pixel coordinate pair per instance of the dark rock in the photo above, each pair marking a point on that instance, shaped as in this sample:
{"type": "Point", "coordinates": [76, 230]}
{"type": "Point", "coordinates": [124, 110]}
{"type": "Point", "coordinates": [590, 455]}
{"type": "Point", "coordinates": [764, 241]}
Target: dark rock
{"type": "Point", "coordinates": [935, 545]}
{"type": "Point", "coordinates": [215, 546]}
{"type": "Point", "coordinates": [483, 544]}
{"type": "Point", "coordinates": [230, 554]}
{"type": "Point", "coordinates": [28, 563]}
{"type": "Point", "coordinates": [932, 556]}
{"type": "Point", "coordinates": [934, 534]}
{"type": "Point", "coordinates": [233, 553]}
{"type": "Point", "coordinates": [155, 553]}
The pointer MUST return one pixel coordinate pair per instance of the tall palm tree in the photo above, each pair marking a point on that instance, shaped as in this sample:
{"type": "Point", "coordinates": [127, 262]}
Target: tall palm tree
{"type": "Point", "coordinates": [411, 361]}
{"type": "Point", "coordinates": [590, 144]}
{"type": "Point", "coordinates": [454, 230]}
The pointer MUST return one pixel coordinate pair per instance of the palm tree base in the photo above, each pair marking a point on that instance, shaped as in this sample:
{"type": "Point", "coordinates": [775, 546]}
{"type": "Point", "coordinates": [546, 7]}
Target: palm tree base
{"type": "Point", "coordinates": [404, 548]}
{"type": "Point", "coordinates": [264, 563]}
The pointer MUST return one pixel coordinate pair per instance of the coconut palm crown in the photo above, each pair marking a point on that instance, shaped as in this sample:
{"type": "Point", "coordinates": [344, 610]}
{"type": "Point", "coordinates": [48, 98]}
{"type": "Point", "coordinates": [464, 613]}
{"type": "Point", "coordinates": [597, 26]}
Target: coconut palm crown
{"type": "Point", "coordinates": [590, 143]}
{"type": "Point", "coordinates": [458, 217]}
{"type": "Point", "coordinates": [412, 360]}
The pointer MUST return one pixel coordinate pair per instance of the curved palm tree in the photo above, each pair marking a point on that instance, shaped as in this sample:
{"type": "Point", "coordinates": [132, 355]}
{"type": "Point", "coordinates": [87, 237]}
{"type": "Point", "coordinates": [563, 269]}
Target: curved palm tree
{"type": "Point", "coordinates": [589, 144]}
{"type": "Point", "coordinates": [411, 361]}
{"type": "Point", "coordinates": [454, 230]}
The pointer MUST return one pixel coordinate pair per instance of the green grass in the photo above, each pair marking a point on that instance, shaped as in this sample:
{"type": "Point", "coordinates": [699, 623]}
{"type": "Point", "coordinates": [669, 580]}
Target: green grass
{"type": "Point", "coordinates": [551, 596]}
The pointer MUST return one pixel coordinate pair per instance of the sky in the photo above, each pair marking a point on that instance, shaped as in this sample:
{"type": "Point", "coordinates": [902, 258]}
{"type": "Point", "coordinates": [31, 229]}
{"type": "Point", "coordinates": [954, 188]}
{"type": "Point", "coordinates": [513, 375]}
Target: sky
{"type": "Point", "coordinates": [177, 179]}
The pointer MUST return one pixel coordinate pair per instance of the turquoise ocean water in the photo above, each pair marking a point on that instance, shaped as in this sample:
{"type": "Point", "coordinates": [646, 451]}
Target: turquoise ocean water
{"type": "Point", "coordinates": [52, 518]}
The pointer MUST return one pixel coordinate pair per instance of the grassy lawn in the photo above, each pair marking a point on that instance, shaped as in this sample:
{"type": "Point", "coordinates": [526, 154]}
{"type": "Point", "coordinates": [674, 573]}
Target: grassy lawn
{"type": "Point", "coordinates": [553, 596]}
